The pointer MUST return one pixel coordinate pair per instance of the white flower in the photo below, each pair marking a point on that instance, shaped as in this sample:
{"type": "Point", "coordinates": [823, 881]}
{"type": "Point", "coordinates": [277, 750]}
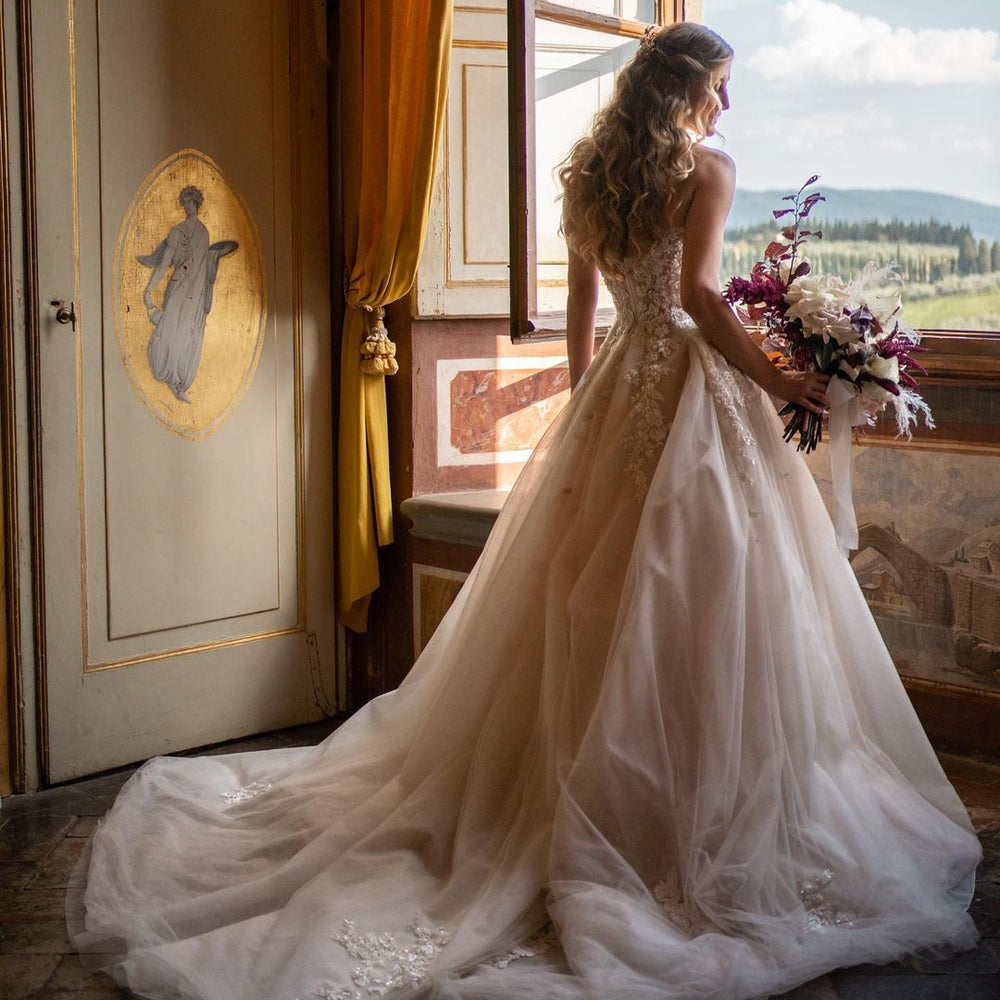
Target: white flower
{"type": "Point", "coordinates": [875, 392]}
{"type": "Point", "coordinates": [785, 268]}
{"type": "Point", "coordinates": [883, 308]}
{"type": "Point", "coordinates": [851, 372]}
{"type": "Point", "coordinates": [823, 303]}
{"type": "Point", "coordinates": [887, 368]}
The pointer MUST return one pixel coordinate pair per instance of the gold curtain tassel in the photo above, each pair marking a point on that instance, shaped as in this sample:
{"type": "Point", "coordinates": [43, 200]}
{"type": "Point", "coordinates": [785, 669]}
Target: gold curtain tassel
{"type": "Point", "coordinates": [378, 352]}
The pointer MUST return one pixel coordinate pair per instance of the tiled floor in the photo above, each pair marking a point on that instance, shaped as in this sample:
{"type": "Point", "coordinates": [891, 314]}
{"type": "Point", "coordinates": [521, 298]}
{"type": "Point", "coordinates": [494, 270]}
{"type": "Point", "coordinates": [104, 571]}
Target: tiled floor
{"type": "Point", "coordinates": [42, 835]}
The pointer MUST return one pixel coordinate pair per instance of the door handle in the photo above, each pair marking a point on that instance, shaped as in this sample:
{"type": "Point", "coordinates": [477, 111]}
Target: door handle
{"type": "Point", "coordinates": [64, 315]}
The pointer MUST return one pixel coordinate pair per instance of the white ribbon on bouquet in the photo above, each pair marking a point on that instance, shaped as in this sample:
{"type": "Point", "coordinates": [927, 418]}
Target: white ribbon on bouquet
{"type": "Point", "coordinates": [845, 413]}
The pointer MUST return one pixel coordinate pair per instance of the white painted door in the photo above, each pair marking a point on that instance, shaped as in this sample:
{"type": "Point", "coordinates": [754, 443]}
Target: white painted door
{"type": "Point", "coordinates": [185, 502]}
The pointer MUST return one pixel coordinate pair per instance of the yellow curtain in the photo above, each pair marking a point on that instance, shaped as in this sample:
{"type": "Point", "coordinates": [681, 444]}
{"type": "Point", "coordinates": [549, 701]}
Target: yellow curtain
{"type": "Point", "coordinates": [394, 66]}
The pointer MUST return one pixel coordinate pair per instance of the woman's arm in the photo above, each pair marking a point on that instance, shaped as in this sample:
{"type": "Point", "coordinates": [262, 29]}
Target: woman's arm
{"type": "Point", "coordinates": [714, 183]}
{"type": "Point", "coordinates": [581, 310]}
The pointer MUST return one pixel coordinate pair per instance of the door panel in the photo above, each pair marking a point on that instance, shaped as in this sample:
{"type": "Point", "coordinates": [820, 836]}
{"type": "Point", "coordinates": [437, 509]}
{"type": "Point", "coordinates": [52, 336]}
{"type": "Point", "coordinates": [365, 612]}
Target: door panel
{"type": "Point", "coordinates": [182, 602]}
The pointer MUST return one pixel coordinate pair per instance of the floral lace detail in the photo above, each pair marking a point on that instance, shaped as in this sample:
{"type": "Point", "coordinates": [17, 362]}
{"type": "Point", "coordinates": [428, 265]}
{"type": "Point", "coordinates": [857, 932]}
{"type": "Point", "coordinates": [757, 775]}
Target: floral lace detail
{"type": "Point", "coordinates": [385, 965]}
{"type": "Point", "coordinates": [544, 941]}
{"type": "Point", "coordinates": [732, 392]}
{"type": "Point", "coordinates": [667, 892]}
{"type": "Point", "coordinates": [820, 912]}
{"type": "Point", "coordinates": [647, 301]}
{"type": "Point", "coordinates": [250, 791]}
{"type": "Point", "coordinates": [327, 992]}
{"type": "Point", "coordinates": [646, 412]}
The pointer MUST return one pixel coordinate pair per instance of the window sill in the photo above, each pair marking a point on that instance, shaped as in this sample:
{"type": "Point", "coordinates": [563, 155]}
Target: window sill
{"type": "Point", "coordinates": [464, 518]}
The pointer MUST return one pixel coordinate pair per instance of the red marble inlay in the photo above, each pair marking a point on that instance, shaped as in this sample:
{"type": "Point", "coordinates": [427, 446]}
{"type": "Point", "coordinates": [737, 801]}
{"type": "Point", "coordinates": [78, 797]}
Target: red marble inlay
{"type": "Point", "coordinates": [504, 410]}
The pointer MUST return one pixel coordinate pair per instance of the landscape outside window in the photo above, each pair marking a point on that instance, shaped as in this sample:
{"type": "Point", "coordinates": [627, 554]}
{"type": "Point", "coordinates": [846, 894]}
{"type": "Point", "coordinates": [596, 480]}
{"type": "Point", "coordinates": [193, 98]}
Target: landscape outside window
{"type": "Point", "coordinates": [893, 103]}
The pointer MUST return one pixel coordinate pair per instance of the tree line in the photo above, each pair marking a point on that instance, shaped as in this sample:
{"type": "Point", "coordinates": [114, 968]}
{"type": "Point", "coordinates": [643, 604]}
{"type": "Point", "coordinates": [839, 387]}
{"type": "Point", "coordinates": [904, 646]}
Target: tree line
{"type": "Point", "coordinates": [973, 257]}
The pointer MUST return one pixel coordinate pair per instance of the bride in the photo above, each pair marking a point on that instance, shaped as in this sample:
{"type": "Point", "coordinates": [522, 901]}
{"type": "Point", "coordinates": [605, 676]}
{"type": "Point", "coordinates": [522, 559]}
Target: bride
{"type": "Point", "coordinates": [655, 750]}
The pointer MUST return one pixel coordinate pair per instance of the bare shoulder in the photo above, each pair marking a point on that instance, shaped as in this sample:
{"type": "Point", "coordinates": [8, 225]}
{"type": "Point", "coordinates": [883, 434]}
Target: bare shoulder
{"type": "Point", "coordinates": [713, 167]}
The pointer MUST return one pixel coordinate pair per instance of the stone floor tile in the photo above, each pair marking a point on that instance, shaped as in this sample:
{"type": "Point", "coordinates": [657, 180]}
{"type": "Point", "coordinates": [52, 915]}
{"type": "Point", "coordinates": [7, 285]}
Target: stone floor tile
{"type": "Point", "coordinates": [104, 784]}
{"type": "Point", "coordinates": [817, 989]}
{"type": "Point", "coordinates": [984, 960]}
{"type": "Point", "coordinates": [70, 974]}
{"type": "Point", "coordinates": [985, 911]}
{"type": "Point", "coordinates": [38, 937]}
{"type": "Point", "coordinates": [111, 993]}
{"type": "Point", "coordinates": [59, 865]}
{"type": "Point", "coordinates": [94, 806]}
{"type": "Point", "coordinates": [17, 874]}
{"type": "Point", "coordinates": [851, 986]}
{"type": "Point", "coordinates": [300, 736]}
{"type": "Point", "coordinates": [22, 975]}
{"type": "Point", "coordinates": [51, 801]}
{"type": "Point", "coordinates": [30, 837]}
{"type": "Point", "coordinates": [31, 904]}
{"type": "Point", "coordinates": [985, 820]}
{"type": "Point", "coordinates": [981, 770]}
{"type": "Point", "coordinates": [887, 969]}
{"type": "Point", "coordinates": [976, 795]}
{"type": "Point", "coordinates": [84, 827]}
{"type": "Point", "coordinates": [989, 867]}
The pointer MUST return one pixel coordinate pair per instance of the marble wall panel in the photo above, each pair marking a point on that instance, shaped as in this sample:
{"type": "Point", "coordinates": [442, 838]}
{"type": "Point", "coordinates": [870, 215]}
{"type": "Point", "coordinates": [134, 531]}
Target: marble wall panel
{"type": "Point", "coordinates": [434, 589]}
{"type": "Point", "coordinates": [480, 403]}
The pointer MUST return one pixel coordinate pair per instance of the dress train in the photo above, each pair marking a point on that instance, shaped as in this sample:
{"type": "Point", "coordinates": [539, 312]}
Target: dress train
{"type": "Point", "coordinates": [656, 749]}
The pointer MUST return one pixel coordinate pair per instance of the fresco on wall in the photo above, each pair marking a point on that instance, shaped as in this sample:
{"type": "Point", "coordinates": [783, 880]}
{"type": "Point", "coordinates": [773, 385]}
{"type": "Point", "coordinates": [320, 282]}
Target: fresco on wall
{"type": "Point", "coordinates": [928, 559]}
{"type": "Point", "coordinates": [189, 294]}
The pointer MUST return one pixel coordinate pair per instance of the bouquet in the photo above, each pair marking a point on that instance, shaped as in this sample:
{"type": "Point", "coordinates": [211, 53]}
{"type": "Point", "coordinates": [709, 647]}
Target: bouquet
{"type": "Point", "coordinates": [851, 330]}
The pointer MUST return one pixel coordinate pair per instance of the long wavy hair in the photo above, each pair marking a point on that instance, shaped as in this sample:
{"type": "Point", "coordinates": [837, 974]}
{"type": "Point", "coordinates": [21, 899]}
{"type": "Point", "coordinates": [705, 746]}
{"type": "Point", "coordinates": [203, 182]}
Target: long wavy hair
{"type": "Point", "coordinates": [621, 180]}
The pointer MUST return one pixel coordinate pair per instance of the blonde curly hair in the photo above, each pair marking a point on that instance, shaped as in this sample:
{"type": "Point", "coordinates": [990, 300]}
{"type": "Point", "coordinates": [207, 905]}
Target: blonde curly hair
{"type": "Point", "coordinates": [621, 180]}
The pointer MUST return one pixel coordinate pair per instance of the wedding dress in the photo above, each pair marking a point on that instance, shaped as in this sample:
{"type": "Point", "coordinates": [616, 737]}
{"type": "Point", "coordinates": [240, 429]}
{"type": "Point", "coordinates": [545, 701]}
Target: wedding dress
{"type": "Point", "coordinates": [655, 750]}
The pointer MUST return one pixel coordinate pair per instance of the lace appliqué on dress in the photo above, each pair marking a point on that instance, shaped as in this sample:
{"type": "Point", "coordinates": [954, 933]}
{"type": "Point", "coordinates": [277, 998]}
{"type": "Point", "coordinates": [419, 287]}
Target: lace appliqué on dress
{"type": "Point", "coordinates": [732, 392]}
{"type": "Point", "coordinates": [646, 412]}
{"type": "Point", "coordinates": [385, 965]}
{"type": "Point", "coordinates": [667, 892]}
{"type": "Point", "coordinates": [820, 912]}
{"type": "Point", "coordinates": [250, 791]}
{"type": "Point", "coordinates": [647, 304]}
{"type": "Point", "coordinates": [544, 941]}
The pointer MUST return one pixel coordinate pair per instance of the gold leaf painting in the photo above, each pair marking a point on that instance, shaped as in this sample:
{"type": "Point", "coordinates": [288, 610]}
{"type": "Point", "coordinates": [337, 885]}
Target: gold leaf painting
{"type": "Point", "coordinates": [190, 294]}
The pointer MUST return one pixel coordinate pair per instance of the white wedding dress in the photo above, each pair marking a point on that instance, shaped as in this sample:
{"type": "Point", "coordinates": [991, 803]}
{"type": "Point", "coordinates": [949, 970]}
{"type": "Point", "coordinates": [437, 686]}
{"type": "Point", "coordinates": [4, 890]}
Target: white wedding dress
{"type": "Point", "coordinates": [656, 750]}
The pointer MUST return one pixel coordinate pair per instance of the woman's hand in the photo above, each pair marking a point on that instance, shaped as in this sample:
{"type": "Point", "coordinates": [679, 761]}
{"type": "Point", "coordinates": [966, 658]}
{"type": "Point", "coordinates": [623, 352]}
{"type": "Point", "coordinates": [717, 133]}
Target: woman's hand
{"type": "Point", "coordinates": [805, 389]}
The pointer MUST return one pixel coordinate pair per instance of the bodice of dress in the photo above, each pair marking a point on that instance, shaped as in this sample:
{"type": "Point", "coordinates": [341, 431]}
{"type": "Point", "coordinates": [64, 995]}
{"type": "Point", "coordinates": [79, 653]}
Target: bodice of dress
{"type": "Point", "coordinates": [648, 294]}
{"type": "Point", "coordinates": [653, 331]}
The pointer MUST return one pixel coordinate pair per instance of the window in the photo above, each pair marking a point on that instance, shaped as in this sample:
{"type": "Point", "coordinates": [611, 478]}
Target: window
{"type": "Point", "coordinates": [892, 103]}
{"type": "Point", "coordinates": [563, 61]}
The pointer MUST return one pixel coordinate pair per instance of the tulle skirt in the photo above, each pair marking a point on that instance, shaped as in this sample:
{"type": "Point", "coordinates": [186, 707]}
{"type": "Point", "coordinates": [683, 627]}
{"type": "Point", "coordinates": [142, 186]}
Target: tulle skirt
{"type": "Point", "coordinates": [656, 749]}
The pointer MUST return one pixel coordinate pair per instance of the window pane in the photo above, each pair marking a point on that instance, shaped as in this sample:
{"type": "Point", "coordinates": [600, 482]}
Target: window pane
{"type": "Point", "coordinates": [632, 10]}
{"type": "Point", "coordinates": [894, 105]}
{"type": "Point", "coordinates": [574, 76]}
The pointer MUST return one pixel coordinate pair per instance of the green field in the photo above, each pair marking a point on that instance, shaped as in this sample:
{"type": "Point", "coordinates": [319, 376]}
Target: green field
{"type": "Point", "coordinates": [936, 295]}
{"type": "Point", "coordinates": [954, 312]}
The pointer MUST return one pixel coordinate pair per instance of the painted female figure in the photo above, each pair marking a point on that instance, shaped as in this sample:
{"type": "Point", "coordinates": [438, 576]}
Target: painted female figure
{"type": "Point", "coordinates": [179, 325]}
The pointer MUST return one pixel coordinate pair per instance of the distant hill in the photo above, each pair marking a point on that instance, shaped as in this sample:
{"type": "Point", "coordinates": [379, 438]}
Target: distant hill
{"type": "Point", "coordinates": [750, 208]}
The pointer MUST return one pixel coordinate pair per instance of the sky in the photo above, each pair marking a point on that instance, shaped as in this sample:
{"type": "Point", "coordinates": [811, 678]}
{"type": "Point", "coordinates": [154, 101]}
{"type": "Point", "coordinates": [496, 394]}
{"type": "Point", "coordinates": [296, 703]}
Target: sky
{"type": "Point", "coordinates": [879, 94]}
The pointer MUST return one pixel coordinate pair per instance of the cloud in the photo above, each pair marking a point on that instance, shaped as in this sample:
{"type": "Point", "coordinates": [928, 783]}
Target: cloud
{"type": "Point", "coordinates": [822, 131]}
{"type": "Point", "coordinates": [973, 144]}
{"type": "Point", "coordinates": [830, 41]}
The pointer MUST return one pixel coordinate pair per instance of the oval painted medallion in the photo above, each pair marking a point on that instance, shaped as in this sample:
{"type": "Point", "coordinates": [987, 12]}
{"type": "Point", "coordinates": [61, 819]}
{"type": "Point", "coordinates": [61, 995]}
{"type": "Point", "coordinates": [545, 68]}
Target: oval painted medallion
{"type": "Point", "coordinates": [190, 296]}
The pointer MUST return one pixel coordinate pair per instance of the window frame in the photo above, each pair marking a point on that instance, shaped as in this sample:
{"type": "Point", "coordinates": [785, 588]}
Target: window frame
{"type": "Point", "coordinates": [526, 323]}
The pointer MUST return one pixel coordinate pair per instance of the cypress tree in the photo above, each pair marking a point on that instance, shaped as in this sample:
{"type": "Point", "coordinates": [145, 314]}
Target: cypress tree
{"type": "Point", "coordinates": [984, 257]}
